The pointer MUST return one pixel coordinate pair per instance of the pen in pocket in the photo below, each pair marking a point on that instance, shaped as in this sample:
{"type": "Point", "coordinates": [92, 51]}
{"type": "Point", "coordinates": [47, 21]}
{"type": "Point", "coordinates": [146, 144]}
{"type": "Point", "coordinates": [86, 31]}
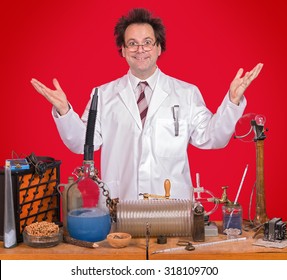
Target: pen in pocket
{"type": "Point", "coordinates": [175, 110]}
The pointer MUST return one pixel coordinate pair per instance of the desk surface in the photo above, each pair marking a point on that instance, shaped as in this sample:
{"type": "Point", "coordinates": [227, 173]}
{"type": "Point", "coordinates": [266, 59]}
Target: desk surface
{"type": "Point", "coordinates": [240, 250]}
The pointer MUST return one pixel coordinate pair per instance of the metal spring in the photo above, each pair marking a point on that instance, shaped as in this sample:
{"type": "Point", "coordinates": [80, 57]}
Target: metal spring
{"type": "Point", "coordinates": [165, 217]}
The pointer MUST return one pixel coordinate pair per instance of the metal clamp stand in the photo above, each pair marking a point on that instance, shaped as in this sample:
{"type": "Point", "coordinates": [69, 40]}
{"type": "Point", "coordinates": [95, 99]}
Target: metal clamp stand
{"type": "Point", "coordinates": [257, 124]}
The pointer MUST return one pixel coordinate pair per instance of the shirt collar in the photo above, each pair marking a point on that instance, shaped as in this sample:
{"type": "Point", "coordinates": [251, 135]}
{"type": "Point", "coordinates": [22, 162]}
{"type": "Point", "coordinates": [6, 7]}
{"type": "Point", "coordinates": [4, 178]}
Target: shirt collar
{"type": "Point", "coordinates": [150, 80]}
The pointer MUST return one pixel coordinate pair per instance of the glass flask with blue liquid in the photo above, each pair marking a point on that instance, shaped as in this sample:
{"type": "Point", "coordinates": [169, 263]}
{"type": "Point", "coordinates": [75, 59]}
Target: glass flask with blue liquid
{"type": "Point", "coordinates": [88, 217]}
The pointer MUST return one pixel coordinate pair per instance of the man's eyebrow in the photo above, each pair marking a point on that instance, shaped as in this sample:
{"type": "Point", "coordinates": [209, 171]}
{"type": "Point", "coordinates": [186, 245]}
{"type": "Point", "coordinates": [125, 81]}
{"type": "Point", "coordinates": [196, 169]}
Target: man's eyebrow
{"type": "Point", "coordinates": [146, 38]}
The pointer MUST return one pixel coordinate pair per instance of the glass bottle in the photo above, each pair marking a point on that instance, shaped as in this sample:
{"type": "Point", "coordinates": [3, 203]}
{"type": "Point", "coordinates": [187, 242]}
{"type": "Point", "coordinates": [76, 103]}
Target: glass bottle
{"type": "Point", "coordinates": [88, 217]}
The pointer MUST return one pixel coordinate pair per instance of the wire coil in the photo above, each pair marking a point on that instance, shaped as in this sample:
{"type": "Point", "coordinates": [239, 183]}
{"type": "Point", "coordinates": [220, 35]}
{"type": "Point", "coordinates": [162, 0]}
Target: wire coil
{"type": "Point", "coordinates": [165, 217]}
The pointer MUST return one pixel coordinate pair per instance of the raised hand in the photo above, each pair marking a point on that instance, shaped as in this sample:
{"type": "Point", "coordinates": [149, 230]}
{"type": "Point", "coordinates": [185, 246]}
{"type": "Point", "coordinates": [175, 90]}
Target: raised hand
{"type": "Point", "coordinates": [240, 84]}
{"type": "Point", "coordinates": [56, 97]}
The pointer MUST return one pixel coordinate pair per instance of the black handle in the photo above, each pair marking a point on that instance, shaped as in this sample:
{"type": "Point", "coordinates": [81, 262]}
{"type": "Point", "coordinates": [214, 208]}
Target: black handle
{"type": "Point", "coordinates": [89, 144]}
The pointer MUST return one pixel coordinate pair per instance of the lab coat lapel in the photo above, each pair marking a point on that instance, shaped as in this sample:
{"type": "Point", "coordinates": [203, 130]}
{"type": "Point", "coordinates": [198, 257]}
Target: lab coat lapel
{"type": "Point", "coordinates": [158, 96]}
{"type": "Point", "coordinates": [128, 98]}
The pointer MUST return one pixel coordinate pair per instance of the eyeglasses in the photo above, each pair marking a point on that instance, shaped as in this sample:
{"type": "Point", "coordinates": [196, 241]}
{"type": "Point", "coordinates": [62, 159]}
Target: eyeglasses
{"type": "Point", "coordinates": [147, 46]}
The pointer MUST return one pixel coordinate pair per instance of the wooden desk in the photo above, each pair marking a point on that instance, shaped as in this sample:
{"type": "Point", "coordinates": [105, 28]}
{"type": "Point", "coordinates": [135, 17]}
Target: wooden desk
{"type": "Point", "coordinates": [241, 250]}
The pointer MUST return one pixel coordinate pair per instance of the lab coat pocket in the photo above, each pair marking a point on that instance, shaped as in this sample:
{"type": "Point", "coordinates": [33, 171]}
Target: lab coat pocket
{"type": "Point", "coordinates": [167, 144]}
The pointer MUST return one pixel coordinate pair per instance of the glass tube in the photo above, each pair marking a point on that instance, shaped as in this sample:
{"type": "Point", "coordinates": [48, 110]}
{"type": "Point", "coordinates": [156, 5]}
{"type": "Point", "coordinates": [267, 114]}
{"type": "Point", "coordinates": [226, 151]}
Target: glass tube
{"type": "Point", "coordinates": [10, 239]}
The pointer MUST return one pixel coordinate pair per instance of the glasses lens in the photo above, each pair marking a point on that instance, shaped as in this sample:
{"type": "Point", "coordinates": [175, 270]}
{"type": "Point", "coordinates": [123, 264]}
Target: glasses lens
{"type": "Point", "coordinates": [148, 46]}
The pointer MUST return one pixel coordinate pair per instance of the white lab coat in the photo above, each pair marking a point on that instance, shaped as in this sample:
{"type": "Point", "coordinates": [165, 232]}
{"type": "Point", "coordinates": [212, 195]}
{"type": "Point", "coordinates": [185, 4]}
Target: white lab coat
{"type": "Point", "coordinates": [137, 160]}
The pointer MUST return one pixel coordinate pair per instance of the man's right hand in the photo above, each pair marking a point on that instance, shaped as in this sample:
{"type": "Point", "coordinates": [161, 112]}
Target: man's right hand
{"type": "Point", "coordinates": [56, 97]}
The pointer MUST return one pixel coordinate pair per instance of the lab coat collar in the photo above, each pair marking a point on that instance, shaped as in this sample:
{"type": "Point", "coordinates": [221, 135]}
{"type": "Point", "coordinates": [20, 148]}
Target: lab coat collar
{"type": "Point", "coordinates": [127, 96]}
{"type": "Point", "coordinates": [159, 95]}
{"type": "Point", "coordinates": [151, 80]}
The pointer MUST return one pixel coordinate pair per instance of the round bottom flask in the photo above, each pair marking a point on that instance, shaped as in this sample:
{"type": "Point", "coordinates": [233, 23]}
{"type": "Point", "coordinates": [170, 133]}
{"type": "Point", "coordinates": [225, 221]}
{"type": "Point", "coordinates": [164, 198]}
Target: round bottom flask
{"type": "Point", "coordinates": [88, 217]}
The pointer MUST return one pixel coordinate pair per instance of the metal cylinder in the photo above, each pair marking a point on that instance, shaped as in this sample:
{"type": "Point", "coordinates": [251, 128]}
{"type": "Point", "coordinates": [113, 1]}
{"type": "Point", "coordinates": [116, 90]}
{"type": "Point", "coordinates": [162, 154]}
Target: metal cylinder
{"type": "Point", "coordinates": [165, 216]}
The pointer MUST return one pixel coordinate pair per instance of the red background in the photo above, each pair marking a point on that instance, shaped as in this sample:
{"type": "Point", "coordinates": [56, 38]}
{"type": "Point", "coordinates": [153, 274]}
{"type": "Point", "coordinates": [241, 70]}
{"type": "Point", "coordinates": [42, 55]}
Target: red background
{"type": "Point", "coordinates": [207, 42]}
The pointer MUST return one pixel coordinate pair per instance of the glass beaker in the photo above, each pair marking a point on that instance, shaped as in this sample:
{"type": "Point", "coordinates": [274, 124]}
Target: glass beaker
{"type": "Point", "coordinates": [232, 218]}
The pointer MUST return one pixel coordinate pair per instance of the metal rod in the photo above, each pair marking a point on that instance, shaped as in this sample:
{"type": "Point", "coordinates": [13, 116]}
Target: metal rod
{"type": "Point", "coordinates": [200, 245]}
{"type": "Point", "coordinates": [261, 216]}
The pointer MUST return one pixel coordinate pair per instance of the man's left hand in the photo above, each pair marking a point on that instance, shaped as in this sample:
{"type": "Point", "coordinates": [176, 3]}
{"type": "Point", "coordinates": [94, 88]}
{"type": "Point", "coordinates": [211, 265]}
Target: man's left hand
{"type": "Point", "coordinates": [240, 84]}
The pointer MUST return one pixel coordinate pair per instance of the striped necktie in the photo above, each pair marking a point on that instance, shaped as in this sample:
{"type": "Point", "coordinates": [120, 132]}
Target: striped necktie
{"type": "Point", "coordinates": [142, 102]}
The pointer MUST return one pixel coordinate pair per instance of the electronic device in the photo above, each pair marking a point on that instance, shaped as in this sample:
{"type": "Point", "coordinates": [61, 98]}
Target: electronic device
{"type": "Point", "coordinates": [275, 229]}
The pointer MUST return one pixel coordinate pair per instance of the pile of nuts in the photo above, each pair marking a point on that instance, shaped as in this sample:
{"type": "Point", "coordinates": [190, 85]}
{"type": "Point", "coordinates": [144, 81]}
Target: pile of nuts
{"type": "Point", "coordinates": [42, 228]}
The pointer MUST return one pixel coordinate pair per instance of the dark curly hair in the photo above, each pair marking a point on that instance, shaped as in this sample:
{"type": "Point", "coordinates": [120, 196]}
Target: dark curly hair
{"type": "Point", "coordinates": [139, 15]}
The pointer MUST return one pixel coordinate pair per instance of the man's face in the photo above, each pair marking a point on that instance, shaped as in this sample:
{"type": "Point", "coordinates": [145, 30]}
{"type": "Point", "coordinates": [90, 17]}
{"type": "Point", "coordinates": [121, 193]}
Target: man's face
{"type": "Point", "coordinates": [142, 62]}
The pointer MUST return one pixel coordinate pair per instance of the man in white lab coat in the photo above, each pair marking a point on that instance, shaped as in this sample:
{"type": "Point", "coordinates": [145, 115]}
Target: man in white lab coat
{"type": "Point", "coordinates": [137, 158]}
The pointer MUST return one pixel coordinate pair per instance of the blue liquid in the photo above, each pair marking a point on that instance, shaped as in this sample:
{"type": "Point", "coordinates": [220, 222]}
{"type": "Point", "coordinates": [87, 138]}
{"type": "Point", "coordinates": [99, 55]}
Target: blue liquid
{"type": "Point", "coordinates": [89, 224]}
{"type": "Point", "coordinates": [232, 221]}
